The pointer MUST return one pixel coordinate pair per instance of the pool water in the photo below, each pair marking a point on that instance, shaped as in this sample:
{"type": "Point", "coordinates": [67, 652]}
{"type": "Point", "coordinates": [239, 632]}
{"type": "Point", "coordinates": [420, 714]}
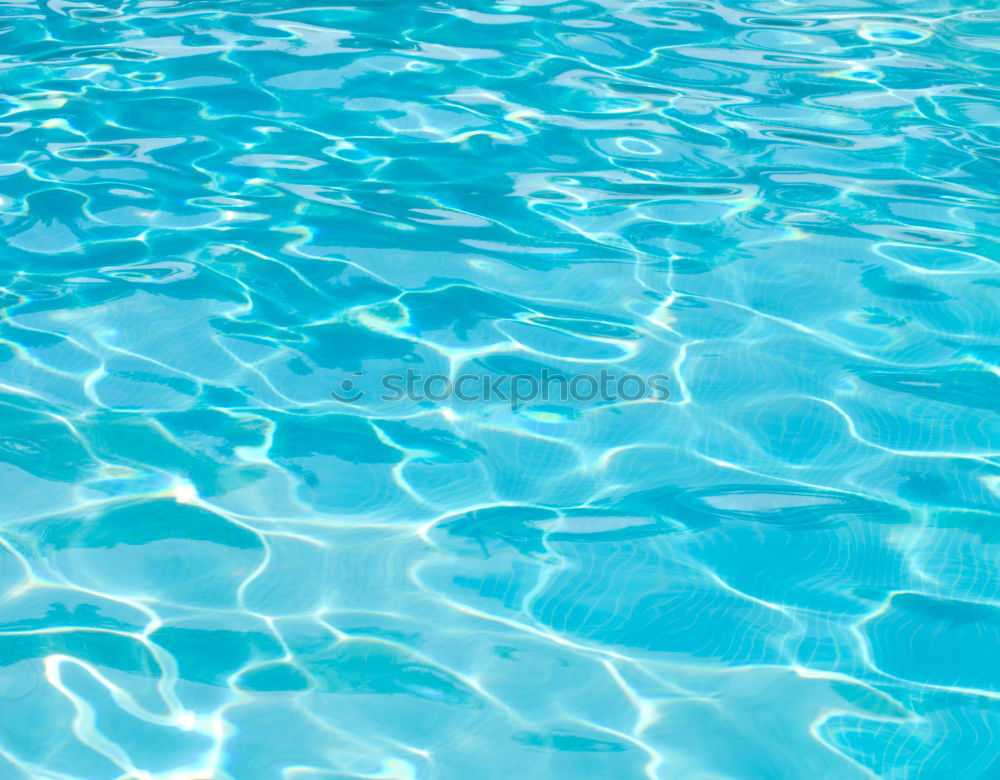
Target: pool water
{"type": "Point", "coordinates": [227, 554]}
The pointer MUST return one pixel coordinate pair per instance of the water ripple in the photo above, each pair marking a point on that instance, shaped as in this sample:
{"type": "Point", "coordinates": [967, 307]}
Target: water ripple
{"type": "Point", "coordinates": [213, 215]}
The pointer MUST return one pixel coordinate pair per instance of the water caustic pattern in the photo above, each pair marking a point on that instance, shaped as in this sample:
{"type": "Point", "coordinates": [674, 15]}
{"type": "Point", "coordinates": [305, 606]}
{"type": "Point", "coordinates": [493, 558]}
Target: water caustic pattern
{"type": "Point", "coordinates": [214, 214]}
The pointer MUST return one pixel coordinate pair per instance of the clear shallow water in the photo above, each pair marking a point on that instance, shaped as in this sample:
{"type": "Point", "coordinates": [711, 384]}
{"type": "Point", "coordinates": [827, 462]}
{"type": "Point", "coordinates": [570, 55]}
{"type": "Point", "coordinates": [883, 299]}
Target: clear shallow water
{"type": "Point", "coordinates": [214, 213]}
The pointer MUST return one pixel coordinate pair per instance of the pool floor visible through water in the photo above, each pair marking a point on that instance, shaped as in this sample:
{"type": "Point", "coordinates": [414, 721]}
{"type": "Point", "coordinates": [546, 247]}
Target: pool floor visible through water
{"type": "Point", "coordinates": [551, 390]}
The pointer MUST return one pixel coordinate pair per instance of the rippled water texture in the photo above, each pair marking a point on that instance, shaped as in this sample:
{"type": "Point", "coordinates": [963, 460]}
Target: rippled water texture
{"type": "Point", "coordinates": [215, 214]}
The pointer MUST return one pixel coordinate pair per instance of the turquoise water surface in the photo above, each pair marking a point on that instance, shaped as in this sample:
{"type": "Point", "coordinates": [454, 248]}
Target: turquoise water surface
{"type": "Point", "coordinates": [226, 553]}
